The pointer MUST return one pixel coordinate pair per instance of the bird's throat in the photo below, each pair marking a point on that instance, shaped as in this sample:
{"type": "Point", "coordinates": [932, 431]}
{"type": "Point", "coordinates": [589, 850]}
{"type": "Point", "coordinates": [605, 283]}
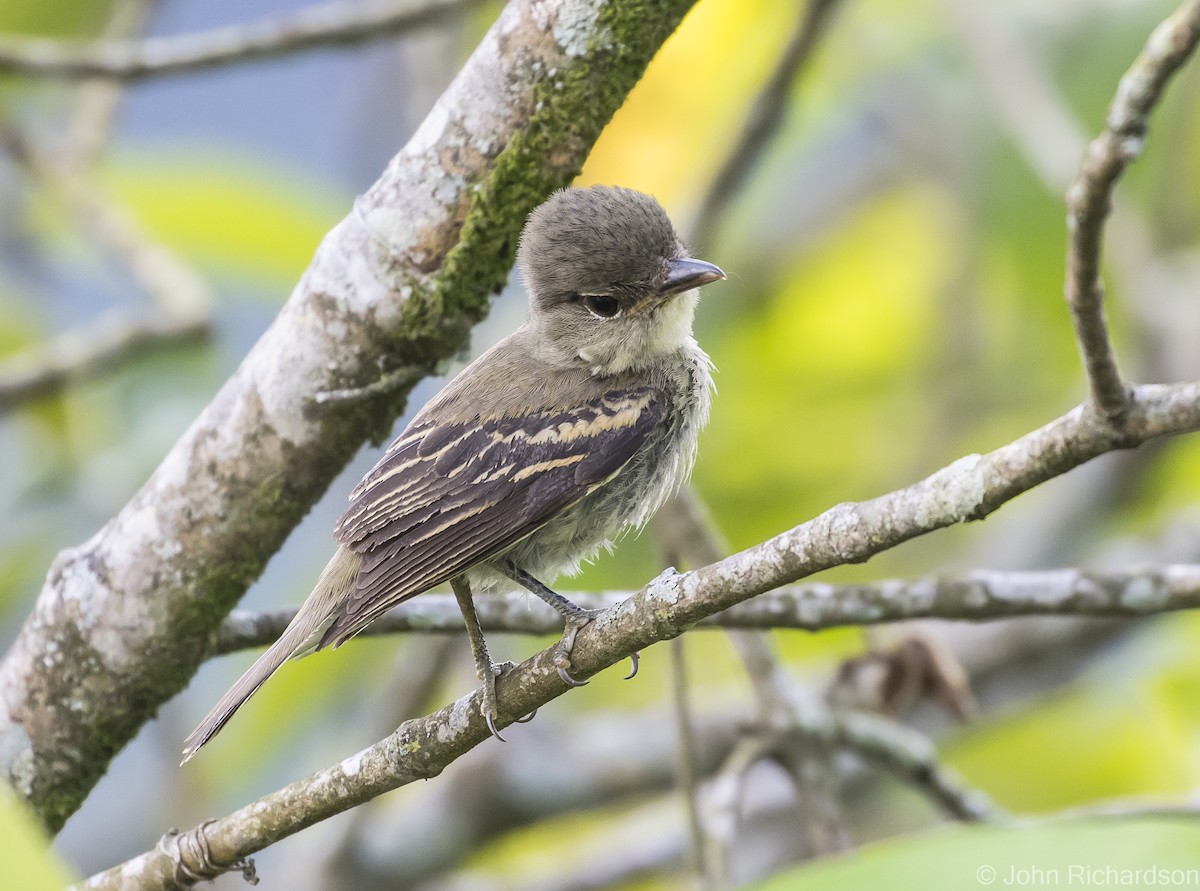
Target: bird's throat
{"type": "Point", "coordinates": [644, 340]}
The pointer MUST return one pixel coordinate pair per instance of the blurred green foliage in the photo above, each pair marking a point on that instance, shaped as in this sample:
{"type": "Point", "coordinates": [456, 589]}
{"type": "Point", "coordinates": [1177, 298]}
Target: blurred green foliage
{"type": "Point", "coordinates": [48, 18]}
{"type": "Point", "coordinates": [27, 861]}
{"type": "Point", "coordinates": [1040, 857]}
{"type": "Point", "coordinates": [239, 216]}
{"type": "Point", "coordinates": [1126, 730]}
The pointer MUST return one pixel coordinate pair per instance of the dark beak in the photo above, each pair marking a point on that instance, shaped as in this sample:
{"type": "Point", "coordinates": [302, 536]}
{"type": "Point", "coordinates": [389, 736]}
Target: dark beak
{"type": "Point", "coordinates": [684, 273]}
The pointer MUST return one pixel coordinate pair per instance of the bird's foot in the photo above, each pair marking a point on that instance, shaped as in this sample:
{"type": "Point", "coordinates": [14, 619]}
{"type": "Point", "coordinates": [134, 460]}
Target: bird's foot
{"type": "Point", "coordinates": [490, 707]}
{"type": "Point", "coordinates": [562, 651]}
{"type": "Point", "coordinates": [574, 616]}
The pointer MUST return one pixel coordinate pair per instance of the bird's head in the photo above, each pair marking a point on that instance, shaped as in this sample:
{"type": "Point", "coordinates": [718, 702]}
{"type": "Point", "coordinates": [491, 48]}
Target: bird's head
{"type": "Point", "coordinates": [610, 284]}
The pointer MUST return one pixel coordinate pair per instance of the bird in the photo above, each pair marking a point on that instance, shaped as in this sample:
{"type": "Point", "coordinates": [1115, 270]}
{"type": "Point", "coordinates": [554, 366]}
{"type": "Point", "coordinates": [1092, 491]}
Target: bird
{"type": "Point", "coordinates": [545, 450]}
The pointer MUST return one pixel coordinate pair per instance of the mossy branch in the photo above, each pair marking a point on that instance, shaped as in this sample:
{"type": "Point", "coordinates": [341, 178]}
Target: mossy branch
{"type": "Point", "coordinates": [124, 620]}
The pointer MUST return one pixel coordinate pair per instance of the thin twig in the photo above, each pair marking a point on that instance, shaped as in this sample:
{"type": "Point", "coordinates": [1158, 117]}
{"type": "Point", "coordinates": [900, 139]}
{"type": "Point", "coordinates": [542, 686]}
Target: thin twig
{"type": "Point", "coordinates": [675, 541]}
{"type": "Point", "coordinates": [698, 543]}
{"type": "Point", "coordinates": [722, 800]}
{"type": "Point", "coordinates": [809, 766]}
{"type": "Point", "coordinates": [685, 763]}
{"type": "Point", "coordinates": [328, 24]}
{"type": "Point", "coordinates": [1089, 199]}
{"type": "Point", "coordinates": [1044, 129]}
{"type": "Point", "coordinates": [98, 99]}
{"type": "Point", "coordinates": [765, 118]}
{"type": "Point", "coordinates": [912, 758]}
{"type": "Point", "coordinates": [81, 353]}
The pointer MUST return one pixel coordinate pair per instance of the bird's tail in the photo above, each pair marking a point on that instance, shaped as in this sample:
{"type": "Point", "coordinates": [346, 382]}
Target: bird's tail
{"type": "Point", "coordinates": [300, 637]}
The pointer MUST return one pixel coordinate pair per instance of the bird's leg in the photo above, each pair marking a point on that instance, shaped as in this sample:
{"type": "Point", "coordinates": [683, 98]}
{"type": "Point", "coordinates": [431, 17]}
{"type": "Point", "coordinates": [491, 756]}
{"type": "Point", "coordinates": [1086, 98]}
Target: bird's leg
{"type": "Point", "coordinates": [574, 615]}
{"type": "Point", "coordinates": [484, 667]}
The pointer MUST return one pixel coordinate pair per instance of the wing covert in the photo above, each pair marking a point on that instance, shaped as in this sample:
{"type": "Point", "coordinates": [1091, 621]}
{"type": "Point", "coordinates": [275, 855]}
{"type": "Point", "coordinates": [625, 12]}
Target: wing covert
{"type": "Point", "coordinates": [446, 496]}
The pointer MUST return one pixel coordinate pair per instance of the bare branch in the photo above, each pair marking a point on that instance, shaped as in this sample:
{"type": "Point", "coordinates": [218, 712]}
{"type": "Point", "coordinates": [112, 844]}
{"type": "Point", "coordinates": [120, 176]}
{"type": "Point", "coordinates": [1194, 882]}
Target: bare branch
{"type": "Point", "coordinates": [109, 342]}
{"type": "Point", "coordinates": [1089, 199]}
{"type": "Point", "coordinates": [766, 117]}
{"type": "Point", "coordinates": [913, 759]}
{"type": "Point", "coordinates": [977, 596]}
{"type": "Point", "coordinates": [1043, 128]}
{"type": "Point", "coordinates": [328, 24]}
{"type": "Point", "coordinates": [968, 489]}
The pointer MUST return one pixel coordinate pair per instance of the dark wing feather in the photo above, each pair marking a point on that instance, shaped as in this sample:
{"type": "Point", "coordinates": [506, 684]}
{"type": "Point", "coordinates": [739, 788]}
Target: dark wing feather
{"type": "Point", "coordinates": [447, 496]}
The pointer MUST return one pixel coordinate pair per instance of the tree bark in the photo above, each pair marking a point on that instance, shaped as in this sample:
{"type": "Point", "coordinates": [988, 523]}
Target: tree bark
{"type": "Point", "coordinates": [124, 619]}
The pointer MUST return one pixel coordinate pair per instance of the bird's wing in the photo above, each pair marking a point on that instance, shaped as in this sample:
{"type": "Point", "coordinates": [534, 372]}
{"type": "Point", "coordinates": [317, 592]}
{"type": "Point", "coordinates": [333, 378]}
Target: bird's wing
{"type": "Point", "coordinates": [447, 496]}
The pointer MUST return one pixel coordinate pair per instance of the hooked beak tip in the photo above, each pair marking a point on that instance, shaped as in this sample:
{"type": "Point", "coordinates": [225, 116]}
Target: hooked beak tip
{"type": "Point", "coordinates": [685, 273]}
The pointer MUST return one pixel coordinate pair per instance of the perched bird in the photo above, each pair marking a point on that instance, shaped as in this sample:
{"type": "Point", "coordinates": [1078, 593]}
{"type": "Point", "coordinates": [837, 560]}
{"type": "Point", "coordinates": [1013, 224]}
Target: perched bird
{"type": "Point", "coordinates": [570, 431]}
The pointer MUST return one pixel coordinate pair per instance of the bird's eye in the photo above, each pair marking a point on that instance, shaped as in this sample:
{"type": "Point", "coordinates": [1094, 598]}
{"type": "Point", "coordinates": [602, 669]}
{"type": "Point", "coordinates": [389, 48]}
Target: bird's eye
{"type": "Point", "coordinates": [603, 305]}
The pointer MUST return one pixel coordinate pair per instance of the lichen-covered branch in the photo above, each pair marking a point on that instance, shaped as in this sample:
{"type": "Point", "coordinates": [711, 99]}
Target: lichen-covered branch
{"type": "Point", "coordinates": [1089, 199]}
{"type": "Point", "coordinates": [977, 596]}
{"type": "Point", "coordinates": [124, 619]}
{"type": "Point", "coordinates": [328, 24]}
{"type": "Point", "coordinates": [969, 489]}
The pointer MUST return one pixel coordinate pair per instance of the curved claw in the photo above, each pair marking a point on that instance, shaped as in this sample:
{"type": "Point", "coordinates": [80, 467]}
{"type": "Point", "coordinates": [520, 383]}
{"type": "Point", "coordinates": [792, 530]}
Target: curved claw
{"type": "Point", "coordinates": [567, 679]}
{"type": "Point", "coordinates": [491, 724]}
{"type": "Point", "coordinates": [634, 661]}
{"type": "Point", "coordinates": [529, 717]}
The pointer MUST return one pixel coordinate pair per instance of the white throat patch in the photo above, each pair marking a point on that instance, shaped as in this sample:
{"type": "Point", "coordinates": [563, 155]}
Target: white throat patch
{"type": "Point", "coordinates": [662, 334]}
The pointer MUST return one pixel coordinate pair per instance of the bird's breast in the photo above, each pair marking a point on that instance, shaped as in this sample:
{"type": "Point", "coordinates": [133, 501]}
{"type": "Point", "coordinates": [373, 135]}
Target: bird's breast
{"type": "Point", "coordinates": [630, 497]}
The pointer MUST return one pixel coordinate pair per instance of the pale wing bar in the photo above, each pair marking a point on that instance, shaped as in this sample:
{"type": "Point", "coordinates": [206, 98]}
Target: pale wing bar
{"type": "Point", "coordinates": [446, 497]}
